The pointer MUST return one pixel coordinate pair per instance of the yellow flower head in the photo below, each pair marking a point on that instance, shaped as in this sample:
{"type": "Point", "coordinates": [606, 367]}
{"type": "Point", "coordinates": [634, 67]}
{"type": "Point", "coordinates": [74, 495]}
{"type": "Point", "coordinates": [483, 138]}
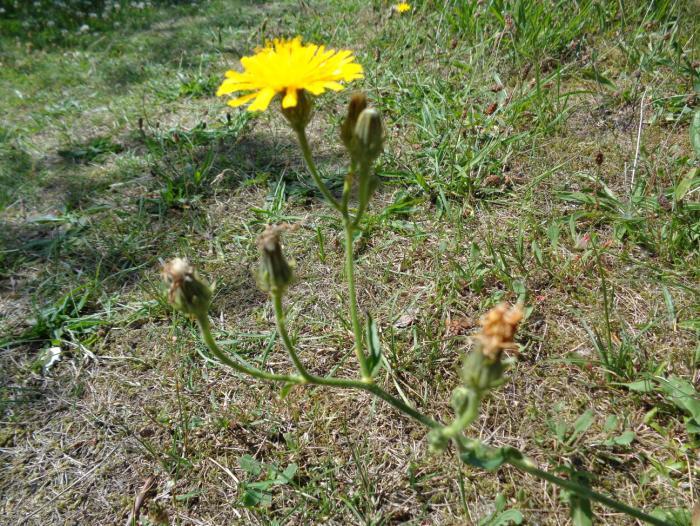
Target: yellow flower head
{"type": "Point", "coordinates": [402, 7]}
{"type": "Point", "coordinates": [287, 66]}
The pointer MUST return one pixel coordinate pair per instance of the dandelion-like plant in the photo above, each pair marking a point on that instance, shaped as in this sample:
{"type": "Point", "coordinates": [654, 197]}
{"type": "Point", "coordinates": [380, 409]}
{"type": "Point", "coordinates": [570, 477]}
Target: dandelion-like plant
{"type": "Point", "coordinates": [402, 7]}
{"type": "Point", "coordinates": [297, 72]}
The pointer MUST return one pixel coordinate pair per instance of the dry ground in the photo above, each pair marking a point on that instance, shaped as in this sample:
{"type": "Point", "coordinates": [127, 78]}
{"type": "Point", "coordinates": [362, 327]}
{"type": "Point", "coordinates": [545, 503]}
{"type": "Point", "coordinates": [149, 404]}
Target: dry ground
{"type": "Point", "coordinates": [512, 172]}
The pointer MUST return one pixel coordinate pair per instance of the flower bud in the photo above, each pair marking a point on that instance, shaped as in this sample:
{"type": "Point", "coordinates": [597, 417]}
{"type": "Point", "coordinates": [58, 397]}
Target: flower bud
{"type": "Point", "coordinates": [358, 102]}
{"type": "Point", "coordinates": [187, 292]}
{"type": "Point", "coordinates": [299, 115]}
{"type": "Point", "coordinates": [275, 273]}
{"type": "Point", "coordinates": [369, 135]}
{"type": "Point", "coordinates": [479, 373]}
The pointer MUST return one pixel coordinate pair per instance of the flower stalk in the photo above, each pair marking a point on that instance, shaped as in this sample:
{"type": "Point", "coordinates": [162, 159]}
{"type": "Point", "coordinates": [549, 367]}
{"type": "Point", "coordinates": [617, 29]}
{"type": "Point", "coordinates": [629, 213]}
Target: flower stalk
{"type": "Point", "coordinates": [352, 298]}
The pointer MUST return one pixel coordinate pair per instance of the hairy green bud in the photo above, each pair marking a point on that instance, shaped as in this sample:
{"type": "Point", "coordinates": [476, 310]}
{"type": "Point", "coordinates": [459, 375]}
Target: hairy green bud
{"type": "Point", "coordinates": [275, 273]}
{"type": "Point", "coordinates": [187, 292]}
{"type": "Point", "coordinates": [369, 135]}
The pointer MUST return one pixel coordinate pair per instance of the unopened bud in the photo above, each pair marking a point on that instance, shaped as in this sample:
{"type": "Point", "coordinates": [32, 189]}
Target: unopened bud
{"type": "Point", "coordinates": [299, 115]}
{"type": "Point", "coordinates": [188, 292]}
{"type": "Point", "coordinates": [358, 102]}
{"type": "Point", "coordinates": [369, 134]}
{"type": "Point", "coordinates": [275, 272]}
{"type": "Point", "coordinates": [480, 373]}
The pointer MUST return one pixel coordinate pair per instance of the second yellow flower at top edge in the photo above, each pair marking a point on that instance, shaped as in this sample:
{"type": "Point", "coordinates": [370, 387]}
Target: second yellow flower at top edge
{"type": "Point", "coordinates": [285, 67]}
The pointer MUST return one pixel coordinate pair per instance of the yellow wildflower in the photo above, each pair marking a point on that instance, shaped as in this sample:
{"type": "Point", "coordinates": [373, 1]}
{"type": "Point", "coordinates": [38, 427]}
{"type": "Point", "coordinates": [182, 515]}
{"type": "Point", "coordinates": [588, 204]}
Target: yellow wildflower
{"type": "Point", "coordinates": [402, 7]}
{"type": "Point", "coordinates": [286, 67]}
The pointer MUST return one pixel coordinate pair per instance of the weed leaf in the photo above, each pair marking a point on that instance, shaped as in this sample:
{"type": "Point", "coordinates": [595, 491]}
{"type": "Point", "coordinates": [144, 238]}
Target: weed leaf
{"type": "Point", "coordinates": [581, 512]}
{"type": "Point", "coordinates": [374, 360]}
{"type": "Point", "coordinates": [695, 133]}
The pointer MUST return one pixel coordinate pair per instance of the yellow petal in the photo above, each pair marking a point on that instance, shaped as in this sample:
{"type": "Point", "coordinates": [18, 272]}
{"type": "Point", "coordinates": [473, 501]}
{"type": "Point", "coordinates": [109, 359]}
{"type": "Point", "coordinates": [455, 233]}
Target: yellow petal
{"type": "Point", "coordinates": [227, 86]}
{"type": "Point", "coordinates": [262, 100]}
{"type": "Point", "coordinates": [242, 100]}
{"type": "Point", "coordinates": [335, 86]}
{"type": "Point", "coordinates": [290, 99]}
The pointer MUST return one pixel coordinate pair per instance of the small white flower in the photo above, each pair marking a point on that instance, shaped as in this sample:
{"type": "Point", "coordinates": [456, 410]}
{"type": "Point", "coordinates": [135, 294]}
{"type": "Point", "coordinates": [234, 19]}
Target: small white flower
{"type": "Point", "coordinates": [84, 28]}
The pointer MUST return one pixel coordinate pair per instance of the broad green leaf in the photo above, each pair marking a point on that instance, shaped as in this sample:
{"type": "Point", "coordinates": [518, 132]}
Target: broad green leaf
{"type": "Point", "coordinates": [625, 439]}
{"type": "Point", "coordinates": [594, 74]}
{"type": "Point", "coordinates": [684, 396]}
{"type": "Point", "coordinates": [580, 507]}
{"type": "Point", "coordinates": [695, 133]}
{"type": "Point", "coordinates": [640, 386]}
{"type": "Point", "coordinates": [685, 184]}
{"type": "Point", "coordinates": [288, 474]}
{"type": "Point", "coordinates": [691, 325]}
{"type": "Point", "coordinates": [581, 512]}
{"type": "Point", "coordinates": [503, 519]}
{"type": "Point", "coordinates": [487, 457]}
{"type": "Point", "coordinates": [188, 496]}
{"type": "Point", "coordinates": [582, 424]}
{"type": "Point", "coordinates": [250, 465]}
{"type": "Point", "coordinates": [674, 517]}
{"type": "Point", "coordinates": [610, 423]}
{"type": "Point", "coordinates": [255, 497]}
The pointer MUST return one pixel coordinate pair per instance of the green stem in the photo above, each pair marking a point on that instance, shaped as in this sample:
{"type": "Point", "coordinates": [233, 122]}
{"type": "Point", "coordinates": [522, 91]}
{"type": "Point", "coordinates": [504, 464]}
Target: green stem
{"type": "Point", "coordinates": [306, 151]}
{"type": "Point", "coordinates": [347, 188]}
{"type": "Point", "coordinates": [465, 416]}
{"type": "Point", "coordinates": [282, 330]}
{"type": "Point", "coordinates": [380, 393]}
{"type": "Point", "coordinates": [585, 492]}
{"type": "Point", "coordinates": [341, 383]}
{"type": "Point", "coordinates": [350, 274]}
{"type": "Point", "coordinates": [205, 327]}
{"type": "Point", "coordinates": [306, 377]}
{"type": "Point", "coordinates": [363, 192]}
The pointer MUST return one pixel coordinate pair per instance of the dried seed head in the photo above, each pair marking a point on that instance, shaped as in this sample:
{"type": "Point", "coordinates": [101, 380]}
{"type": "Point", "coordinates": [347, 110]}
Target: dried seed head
{"type": "Point", "coordinates": [483, 368]}
{"type": "Point", "coordinates": [187, 292]}
{"type": "Point", "coordinates": [498, 328]}
{"type": "Point", "coordinates": [275, 273]}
